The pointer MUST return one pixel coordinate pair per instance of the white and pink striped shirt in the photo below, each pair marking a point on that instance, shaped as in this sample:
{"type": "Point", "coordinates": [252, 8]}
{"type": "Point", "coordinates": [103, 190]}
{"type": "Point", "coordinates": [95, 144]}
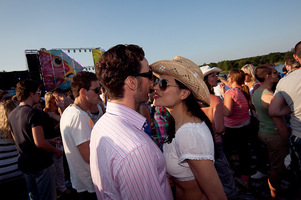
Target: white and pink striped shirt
{"type": "Point", "coordinates": [125, 163]}
{"type": "Point", "coordinates": [240, 108]}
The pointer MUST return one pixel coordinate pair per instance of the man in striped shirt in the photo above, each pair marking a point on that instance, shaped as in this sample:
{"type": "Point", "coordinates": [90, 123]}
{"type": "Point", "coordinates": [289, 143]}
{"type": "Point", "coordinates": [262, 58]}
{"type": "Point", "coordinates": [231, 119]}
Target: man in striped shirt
{"type": "Point", "coordinates": [125, 163]}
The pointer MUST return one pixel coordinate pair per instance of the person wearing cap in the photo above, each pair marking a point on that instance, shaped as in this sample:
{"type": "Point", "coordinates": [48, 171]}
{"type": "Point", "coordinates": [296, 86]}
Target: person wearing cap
{"type": "Point", "coordinates": [125, 162]}
{"type": "Point", "coordinates": [189, 150]}
{"type": "Point", "coordinates": [216, 117]}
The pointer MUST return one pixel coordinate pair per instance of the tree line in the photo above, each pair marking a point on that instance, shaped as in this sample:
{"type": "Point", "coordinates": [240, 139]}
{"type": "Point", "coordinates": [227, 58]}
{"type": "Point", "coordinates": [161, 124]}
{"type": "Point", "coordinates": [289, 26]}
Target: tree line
{"type": "Point", "coordinates": [275, 58]}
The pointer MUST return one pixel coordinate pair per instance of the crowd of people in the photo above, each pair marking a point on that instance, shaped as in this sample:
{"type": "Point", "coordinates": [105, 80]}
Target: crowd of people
{"type": "Point", "coordinates": [169, 130]}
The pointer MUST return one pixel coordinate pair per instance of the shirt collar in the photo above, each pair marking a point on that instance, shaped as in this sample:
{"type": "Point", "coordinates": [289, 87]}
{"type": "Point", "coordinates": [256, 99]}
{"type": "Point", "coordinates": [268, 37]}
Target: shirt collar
{"type": "Point", "coordinates": [127, 113]}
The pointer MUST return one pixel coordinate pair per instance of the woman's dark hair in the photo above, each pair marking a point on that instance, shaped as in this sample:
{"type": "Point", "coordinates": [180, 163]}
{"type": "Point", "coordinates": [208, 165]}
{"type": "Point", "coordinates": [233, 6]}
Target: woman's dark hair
{"type": "Point", "coordinates": [210, 88]}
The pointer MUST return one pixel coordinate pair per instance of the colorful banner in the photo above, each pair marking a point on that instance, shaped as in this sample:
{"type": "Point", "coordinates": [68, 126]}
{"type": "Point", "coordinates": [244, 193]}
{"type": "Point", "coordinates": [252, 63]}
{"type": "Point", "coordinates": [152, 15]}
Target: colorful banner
{"type": "Point", "coordinates": [57, 69]}
{"type": "Point", "coordinates": [96, 54]}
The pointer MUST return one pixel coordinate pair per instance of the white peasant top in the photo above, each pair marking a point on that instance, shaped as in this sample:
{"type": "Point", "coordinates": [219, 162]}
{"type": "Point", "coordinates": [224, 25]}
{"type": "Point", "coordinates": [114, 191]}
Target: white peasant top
{"type": "Point", "coordinates": [193, 141]}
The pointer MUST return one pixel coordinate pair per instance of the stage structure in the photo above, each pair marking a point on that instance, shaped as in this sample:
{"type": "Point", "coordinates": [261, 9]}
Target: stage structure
{"type": "Point", "coordinates": [55, 67]}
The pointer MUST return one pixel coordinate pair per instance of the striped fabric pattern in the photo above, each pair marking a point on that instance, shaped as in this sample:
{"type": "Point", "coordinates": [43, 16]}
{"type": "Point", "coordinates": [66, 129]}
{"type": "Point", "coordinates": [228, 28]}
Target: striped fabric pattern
{"type": "Point", "coordinates": [9, 162]}
{"type": "Point", "coordinates": [125, 163]}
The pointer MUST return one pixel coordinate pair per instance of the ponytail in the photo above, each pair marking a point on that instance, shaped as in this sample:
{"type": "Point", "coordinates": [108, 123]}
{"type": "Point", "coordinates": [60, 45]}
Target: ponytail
{"type": "Point", "coordinates": [239, 77]}
{"type": "Point", "coordinates": [245, 90]}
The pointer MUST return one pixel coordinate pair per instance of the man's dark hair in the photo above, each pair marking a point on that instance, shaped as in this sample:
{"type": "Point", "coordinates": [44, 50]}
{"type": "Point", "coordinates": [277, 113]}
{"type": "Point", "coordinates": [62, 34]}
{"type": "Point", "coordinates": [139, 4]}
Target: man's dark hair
{"type": "Point", "coordinates": [262, 71]}
{"type": "Point", "coordinates": [25, 87]}
{"type": "Point", "coordinates": [82, 80]}
{"type": "Point", "coordinates": [115, 65]}
{"type": "Point", "coordinates": [298, 49]}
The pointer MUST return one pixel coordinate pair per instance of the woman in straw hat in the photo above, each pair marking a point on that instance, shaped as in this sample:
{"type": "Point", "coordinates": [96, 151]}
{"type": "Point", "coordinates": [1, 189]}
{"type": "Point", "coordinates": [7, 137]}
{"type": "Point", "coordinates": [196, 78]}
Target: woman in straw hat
{"type": "Point", "coordinates": [189, 150]}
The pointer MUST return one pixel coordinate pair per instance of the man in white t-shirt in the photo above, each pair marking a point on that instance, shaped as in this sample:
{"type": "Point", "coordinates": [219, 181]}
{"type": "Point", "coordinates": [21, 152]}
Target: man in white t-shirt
{"type": "Point", "coordinates": [287, 101]}
{"type": "Point", "coordinates": [76, 128]}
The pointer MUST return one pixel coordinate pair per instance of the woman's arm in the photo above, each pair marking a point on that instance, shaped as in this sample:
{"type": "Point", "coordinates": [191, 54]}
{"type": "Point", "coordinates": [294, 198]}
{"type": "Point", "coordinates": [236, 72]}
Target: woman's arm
{"type": "Point", "coordinates": [218, 115]}
{"type": "Point", "coordinates": [228, 104]}
{"type": "Point", "coordinates": [225, 82]}
{"type": "Point", "coordinates": [207, 178]}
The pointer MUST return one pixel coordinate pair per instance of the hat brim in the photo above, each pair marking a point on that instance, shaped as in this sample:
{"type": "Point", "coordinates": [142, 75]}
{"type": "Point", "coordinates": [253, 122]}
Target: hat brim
{"type": "Point", "coordinates": [190, 78]}
{"type": "Point", "coordinates": [213, 69]}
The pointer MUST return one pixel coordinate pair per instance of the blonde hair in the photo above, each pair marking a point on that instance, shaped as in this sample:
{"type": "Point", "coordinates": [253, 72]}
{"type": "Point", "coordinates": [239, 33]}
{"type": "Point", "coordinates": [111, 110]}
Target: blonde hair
{"type": "Point", "coordinates": [250, 69]}
{"type": "Point", "coordinates": [48, 96]}
{"type": "Point", "coordinates": [295, 66]}
{"type": "Point", "coordinates": [6, 108]}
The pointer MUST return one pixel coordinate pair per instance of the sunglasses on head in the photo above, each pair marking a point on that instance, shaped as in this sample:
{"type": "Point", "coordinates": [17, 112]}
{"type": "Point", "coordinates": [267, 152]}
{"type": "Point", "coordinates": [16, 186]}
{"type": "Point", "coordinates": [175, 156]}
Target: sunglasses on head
{"type": "Point", "coordinates": [96, 90]}
{"type": "Point", "coordinates": [148, 74]}
{"type": "Point", "coordinates": [163, 84]}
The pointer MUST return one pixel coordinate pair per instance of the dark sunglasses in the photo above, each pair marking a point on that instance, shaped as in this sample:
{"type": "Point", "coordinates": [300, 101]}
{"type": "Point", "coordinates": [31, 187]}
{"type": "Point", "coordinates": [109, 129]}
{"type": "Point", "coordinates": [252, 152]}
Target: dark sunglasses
{"type": "Point", "coordinates": [148, 74]}
{"type": "Point", "coordinates": [163, 84]}
{"type": "Point", "coordinates": [96, 90]}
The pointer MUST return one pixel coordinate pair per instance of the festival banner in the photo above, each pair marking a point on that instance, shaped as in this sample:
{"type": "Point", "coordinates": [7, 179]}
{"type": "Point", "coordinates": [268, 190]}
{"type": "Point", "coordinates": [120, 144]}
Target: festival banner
{"type": "Point", "coordinates": [57, 69]}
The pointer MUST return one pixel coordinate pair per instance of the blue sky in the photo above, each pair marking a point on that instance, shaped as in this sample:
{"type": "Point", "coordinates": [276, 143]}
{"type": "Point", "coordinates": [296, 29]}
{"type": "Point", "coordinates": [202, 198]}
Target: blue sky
{"type": "Point", "coordinates": [201, 30]}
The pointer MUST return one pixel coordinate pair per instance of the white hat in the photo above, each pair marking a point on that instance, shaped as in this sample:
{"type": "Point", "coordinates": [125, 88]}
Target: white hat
{"type": "Point", "coordinates": [207, 70]}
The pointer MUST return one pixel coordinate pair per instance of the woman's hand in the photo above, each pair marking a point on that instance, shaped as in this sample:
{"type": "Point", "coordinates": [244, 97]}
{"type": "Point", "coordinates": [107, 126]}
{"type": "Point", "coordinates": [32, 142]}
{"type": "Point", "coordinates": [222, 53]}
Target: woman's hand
{"type": "Point", "coordinates": [222, 89]}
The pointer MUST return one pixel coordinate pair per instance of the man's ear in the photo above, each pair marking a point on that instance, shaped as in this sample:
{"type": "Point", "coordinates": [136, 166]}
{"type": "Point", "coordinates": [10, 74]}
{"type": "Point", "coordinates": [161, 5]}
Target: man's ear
{"type": "Point", "coordinates": [83, 92]}
{"type": "Point", "coordinates": [184, 94]}
{"type": "Point", "coordinates": [31, 94]}
{"type": "Point", "coordinates": [296, 58]}
{"type": "Point", "coordinates": [131, 82]}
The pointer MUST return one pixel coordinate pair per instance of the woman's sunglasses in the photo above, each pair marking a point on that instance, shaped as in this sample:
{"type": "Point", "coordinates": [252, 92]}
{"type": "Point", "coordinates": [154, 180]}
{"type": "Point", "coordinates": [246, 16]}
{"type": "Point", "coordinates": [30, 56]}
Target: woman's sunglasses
{"type": "Point", "coordinates": [163, 84]}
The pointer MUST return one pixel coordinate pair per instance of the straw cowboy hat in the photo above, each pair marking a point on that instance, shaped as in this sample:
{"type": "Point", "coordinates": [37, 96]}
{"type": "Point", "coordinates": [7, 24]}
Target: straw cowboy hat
{"type": "Point", "coordinates": [207, 70]}
{"type": "Point", "coordinates": [188, 73]}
